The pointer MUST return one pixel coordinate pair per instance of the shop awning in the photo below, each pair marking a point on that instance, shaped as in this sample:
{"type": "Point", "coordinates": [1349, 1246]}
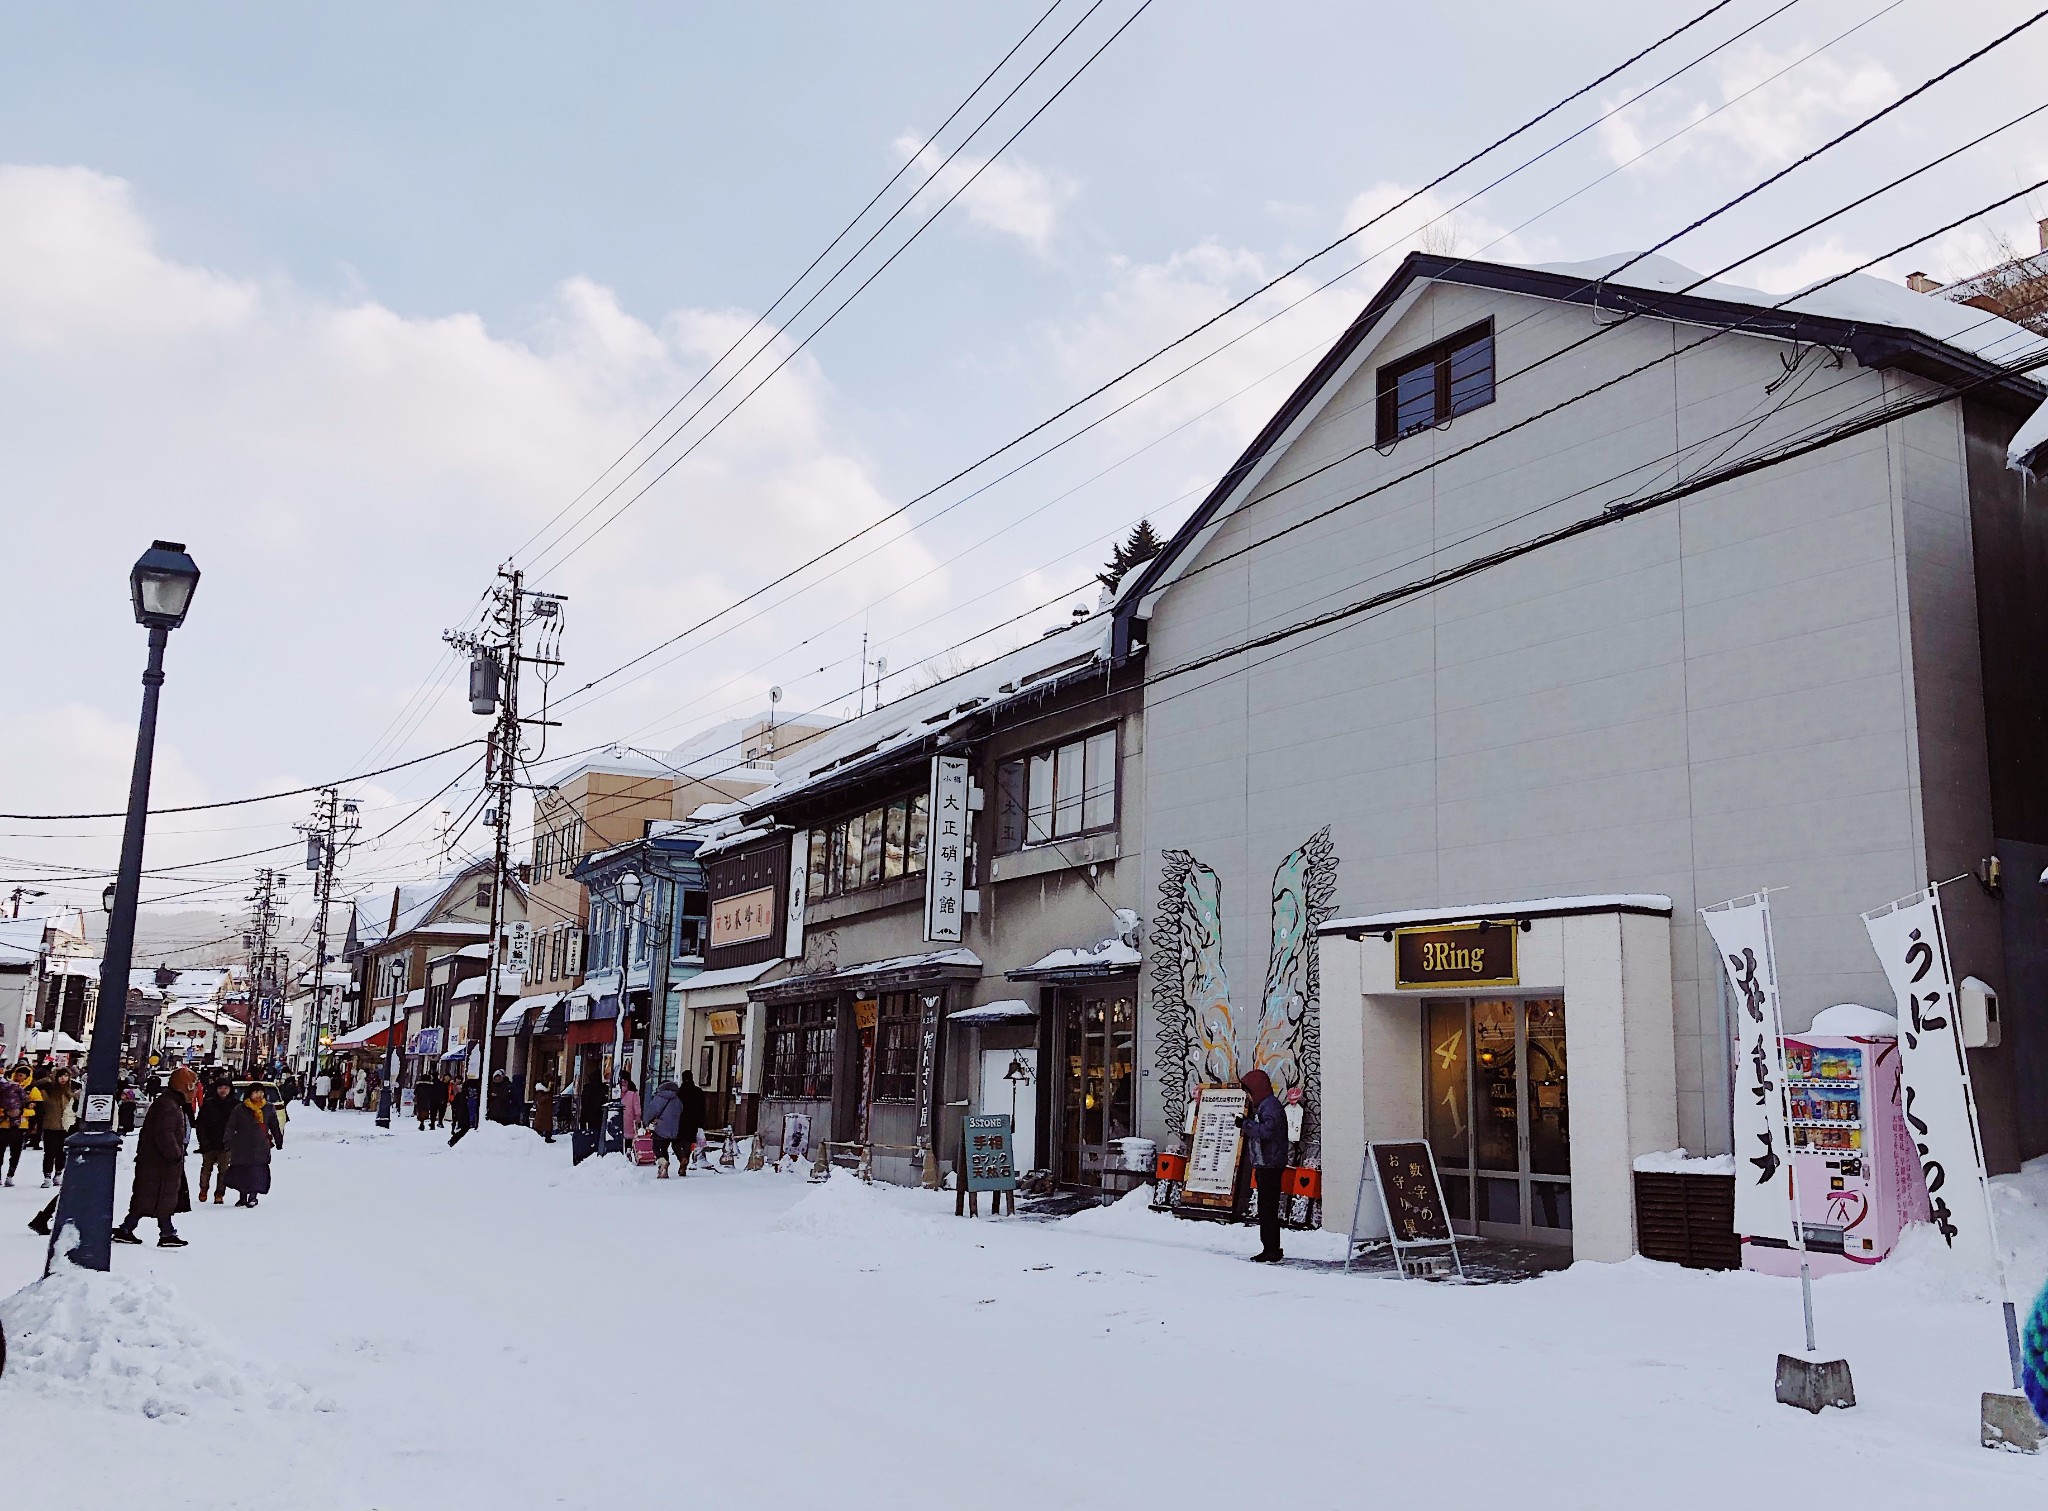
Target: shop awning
{"type": "Point", "coordinates": [513, 1017]}
{"type": "Point", "coordinates": [417, 997]}
{"type": "Point", "coordinates": [726, 988]}
{"type": "Point", "coordinates": [876, 975]}
{"type": "Point", "coordinates": [554, 1019]}
{"type": "Point", "coordinates": [375, 1034]}
{"type": "Point", "coordinates": [45, 1042]}
{"type": "Point", "coordinates": [596, 1032]}
{"type": "Point", "coordinates": [1107, 957]}
{"type": "Point", "coordinates": [1655, 904]}
{"type": "Point", "coordinates": [457, 1053]}
{"type": "Point", "coordinates": [1011, 1010]}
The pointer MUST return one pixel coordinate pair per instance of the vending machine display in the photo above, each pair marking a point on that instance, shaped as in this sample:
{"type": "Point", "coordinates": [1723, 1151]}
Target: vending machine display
{"type": "Point", "coordinates": [1857, 1173]}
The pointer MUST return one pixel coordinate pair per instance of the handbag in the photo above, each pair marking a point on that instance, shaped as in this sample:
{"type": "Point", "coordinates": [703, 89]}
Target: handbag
{"type": "Point", "coordinates": [643, 1148]}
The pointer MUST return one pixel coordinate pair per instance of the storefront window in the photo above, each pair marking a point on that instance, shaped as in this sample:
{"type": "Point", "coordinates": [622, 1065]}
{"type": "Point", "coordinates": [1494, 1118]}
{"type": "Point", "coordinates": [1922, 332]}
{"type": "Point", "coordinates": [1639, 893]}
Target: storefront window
{"type": "Point", "coordinates": [803, 1041]}
{"type": "Point", "coordinates": [882, 844]}
{"type": "Point", "coordinates": [896, 1027]}
{"type": "Point", "coordinates": [1498, 1113]}
{"type": "Point", "coordinates": [1058, 793]}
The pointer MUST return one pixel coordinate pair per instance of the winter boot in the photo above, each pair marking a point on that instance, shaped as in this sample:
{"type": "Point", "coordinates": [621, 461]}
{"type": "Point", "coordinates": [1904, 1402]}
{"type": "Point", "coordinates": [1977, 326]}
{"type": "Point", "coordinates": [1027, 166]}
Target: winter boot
{"type": "Point", "coordinates": [661, 1168]}
{"type": "Point", "coordinates": [219, 1196]}
{"type": "Point", "coordinates": [125, 1235]}
{"type": "Point", "coordinates": [168, 1241]}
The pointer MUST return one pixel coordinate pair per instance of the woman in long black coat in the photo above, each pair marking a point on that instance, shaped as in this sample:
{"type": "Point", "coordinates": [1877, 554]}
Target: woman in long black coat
{"type": "Point", "coordinates": [252, 1133]}
{"type": "Point", "coordinates": [160, 1187]}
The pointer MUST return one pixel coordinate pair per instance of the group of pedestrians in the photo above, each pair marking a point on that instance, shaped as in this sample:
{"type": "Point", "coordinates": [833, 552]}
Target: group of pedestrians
{"type": "Point", "coordinates": [236, 1133]}
{"type": "Point", "coordinates": [37, 1111]}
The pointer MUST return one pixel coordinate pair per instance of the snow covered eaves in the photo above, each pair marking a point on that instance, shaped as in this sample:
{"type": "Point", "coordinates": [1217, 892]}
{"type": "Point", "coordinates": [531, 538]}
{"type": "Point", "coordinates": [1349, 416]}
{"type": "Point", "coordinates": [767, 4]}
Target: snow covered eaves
{"type": "Point", "coordinates": [954, 962]}
{"type": "Point", "coordinates": [510, 983]}
{"type": "Point", "coordinates": [1009, 1010]}
{"type": "Point", "coordinates": [931, 713]}
{"type": "Point", "coordinates": [737, 838]}
{"type": "Point", "coordinates": [1107, 958]}
{"type": "Point", "coordinates": [1654, 903]}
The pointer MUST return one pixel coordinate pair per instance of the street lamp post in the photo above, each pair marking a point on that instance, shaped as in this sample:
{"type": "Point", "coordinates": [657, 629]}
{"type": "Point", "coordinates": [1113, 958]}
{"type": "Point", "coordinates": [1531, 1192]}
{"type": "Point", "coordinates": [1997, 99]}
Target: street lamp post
{"type": "Point", "coordinates": [627, 890]}
{"type": "Point", "coordinates": [160, 587]}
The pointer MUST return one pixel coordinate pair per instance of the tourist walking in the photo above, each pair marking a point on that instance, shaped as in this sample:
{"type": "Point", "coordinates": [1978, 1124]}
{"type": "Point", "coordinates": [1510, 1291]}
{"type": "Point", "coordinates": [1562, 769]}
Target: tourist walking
{"type": "Point", "coordinates": [323, 1088]}
{"type": "Point", "coordinates": [664, 1116]}
{"type": "Point", "coordinates": [55, 1114]}
{"type": "Point", "coordinates": [1265, 1138]}
{"type": "Point", "coordinates": [160, 1190]}
{"type": "Point", "coordinates": [211, 1126]}
{"type": "Point", "coordinates": [691, 1122]}
{"type": "Point", "coordinates": [252, 1133]}
{"type": "Point", "coordinates": [14, 1118]}
{"type": "Point", "coordinates": [629, 1105]}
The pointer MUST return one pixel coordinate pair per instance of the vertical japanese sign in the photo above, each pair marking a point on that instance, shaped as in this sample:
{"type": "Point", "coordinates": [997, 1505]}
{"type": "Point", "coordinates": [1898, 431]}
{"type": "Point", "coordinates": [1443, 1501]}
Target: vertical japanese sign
{"type": "Point", "coordinates": [1763, 1152]}
{"type": "Point", "coordinates": [519, 949]}
{"type": "Point", "coordinates": [927, 1065]}
{"type": "Point", "coordinates": [1941, 1112]}
{"type": "Point", "coordinates": [798, 894]}
{"type": "Point", "coordinates": [945, 871]}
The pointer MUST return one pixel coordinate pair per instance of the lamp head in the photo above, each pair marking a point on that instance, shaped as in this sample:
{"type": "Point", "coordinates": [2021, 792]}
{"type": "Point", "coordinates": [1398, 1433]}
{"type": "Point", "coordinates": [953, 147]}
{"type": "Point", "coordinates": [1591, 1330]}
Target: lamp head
{"type": "Point", "coordinates": [161, 585]}
{"type": "Point", "coordinates": [629, 888]}
{"type": "Point", "coordinates": [107, 898]}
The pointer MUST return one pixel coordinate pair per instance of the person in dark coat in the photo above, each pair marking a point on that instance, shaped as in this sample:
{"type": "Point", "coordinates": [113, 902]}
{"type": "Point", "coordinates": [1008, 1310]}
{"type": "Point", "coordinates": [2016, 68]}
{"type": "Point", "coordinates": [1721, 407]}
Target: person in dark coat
{"type": "Point", "coordinates": [1265, 1139]}
{"type": "Point", "coordinates": [252, 1133]}
{"type": "Point", "coordinates": [590, 1103]}
{"type": "Point", "coordinates": [212, 1128]}
{"type": "Point", "coordinates": [544, 1110]}
{"type": "Point", "coordinates": [462, 1109]}
{"type": "Point", "coordinates": [160, 1190]}
{"type": "Point", "coordinates": [500, 1104]}
{"type": "Point", "coordinates": [662, 1117]}
{"type": "Point", "coordinates": [692, 1119]}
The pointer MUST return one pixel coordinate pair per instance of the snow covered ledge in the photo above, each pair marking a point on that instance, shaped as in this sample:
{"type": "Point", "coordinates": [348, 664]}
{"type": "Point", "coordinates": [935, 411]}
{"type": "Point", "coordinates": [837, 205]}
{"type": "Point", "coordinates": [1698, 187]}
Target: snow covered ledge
{"type": "Point", "coordinates": [1609, 957]}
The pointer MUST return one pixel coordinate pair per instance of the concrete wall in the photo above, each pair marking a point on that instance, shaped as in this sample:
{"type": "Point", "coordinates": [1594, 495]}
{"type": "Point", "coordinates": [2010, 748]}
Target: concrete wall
{"type": "Point", "coordinates": [1701, 701]}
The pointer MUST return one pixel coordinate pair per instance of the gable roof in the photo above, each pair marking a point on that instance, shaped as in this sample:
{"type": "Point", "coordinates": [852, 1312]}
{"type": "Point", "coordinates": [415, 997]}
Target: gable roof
{"type": "Point", "coordinates": [1880, 324]}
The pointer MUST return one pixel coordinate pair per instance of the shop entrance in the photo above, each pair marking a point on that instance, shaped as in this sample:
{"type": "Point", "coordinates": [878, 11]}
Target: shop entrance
{"type": "Point", "coordinates": [1097, 1099]}
{"type": "Point", "coordinates": [718, 1074]}
{"type": "Point", "coordinates": [1009, 1083]}
{"type": "Point", "coordinates": [1499, 1115]}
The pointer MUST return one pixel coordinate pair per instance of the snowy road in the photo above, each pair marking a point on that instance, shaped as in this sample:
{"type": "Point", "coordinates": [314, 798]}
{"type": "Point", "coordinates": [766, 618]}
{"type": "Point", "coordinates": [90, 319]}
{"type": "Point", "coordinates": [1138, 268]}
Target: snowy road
{"type": "Point", "coordinates": [401, 1325]}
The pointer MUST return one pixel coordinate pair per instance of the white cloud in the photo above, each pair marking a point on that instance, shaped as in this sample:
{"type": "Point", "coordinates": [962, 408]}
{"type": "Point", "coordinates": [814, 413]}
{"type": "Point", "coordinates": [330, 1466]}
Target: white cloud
{"type": "Point", "coordinates": [1008, 196]}
{"type": "Point", "coordinates": [347, 476]}
{"type": "Point", "coordinates": [1743, 120]}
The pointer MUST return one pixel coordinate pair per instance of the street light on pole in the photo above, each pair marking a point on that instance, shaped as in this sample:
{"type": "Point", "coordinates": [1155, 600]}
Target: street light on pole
{"type": "Point", "coordinates": [160, 588]}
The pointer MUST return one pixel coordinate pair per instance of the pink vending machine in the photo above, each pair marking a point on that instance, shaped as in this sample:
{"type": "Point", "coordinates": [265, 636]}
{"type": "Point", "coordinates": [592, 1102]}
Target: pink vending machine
{"type": "Point", "coordinates": [1857, 1172]}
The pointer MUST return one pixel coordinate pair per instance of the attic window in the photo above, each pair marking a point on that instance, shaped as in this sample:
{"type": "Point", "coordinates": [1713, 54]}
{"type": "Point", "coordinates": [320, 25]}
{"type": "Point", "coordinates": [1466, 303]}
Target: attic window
{"type": "Point", "coordinates": [1436, 384]}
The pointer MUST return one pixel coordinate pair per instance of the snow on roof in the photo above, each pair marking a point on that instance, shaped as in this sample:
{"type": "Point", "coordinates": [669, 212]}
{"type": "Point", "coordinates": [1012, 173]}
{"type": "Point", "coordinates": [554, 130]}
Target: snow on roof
{"type": "Point", "coordinates": [1859, 298]}
{"type": "Point", "coordinates": [508, 981]}
{"type": "Point", "coordinates": [733, 841]}
{"type": "Point", "coordinates": [964, 957]}
{"type": "Point", "coordinates": [732, 975]}
{"type": "Point", "coordinates": [1536, 907]}
{"type": "Point", "coordinates": [1678, 1162]}
{"type": "Point", "coordinates": [1009, 1010]}
{"type": "Point", "coordinates": [25, 934]}
{"type": "Point", "coordinates": [1109, 954]}
{"type": "Point", "coordinates": [1852, 1020]}
{"type": "Point", "coordinates": [929, 710]}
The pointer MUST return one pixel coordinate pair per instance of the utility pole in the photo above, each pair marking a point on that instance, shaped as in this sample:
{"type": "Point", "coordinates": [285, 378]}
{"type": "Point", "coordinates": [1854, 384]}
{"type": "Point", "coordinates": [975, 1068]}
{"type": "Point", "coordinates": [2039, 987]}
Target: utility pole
{"type": "Point", "coordinates": [256, 943]}
{"type": "Point", "coordinates": [497, 654]}
{"type": "Point", "coordinates": [330, 831]}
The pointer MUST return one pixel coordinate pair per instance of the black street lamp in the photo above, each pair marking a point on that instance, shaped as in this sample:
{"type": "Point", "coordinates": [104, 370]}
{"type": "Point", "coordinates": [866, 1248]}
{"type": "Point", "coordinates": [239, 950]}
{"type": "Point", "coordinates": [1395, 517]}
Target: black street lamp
{"type": "Point", "coordinates": [161, 587]}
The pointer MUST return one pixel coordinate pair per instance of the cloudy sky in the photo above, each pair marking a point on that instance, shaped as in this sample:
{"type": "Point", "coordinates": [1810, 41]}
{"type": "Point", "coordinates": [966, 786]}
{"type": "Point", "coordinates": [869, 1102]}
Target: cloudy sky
{"type": "Point", "coordinates": [361, 304]}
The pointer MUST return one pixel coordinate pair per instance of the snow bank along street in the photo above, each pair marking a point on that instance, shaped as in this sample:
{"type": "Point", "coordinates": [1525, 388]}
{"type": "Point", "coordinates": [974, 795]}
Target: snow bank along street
{"type": "Point", "coordinates": [401, 1325]}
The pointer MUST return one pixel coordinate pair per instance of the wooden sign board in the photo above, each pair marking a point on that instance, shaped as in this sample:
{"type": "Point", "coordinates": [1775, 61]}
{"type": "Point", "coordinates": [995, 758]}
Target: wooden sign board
{"type": "Point", "coordinates": [725, 1023]}
{"type": "Point", "coordinates": [990, 1163]}
{"type": "Point", "coordinates": [1212, 1160]}
{"type": "Point", "coordinates": [1456, 956]}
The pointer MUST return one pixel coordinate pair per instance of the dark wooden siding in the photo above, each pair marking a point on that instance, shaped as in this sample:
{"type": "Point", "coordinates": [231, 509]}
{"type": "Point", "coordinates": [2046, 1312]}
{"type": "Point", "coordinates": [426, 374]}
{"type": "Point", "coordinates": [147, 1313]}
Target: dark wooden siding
{"type": "Point", "coordinates": [762, 865]}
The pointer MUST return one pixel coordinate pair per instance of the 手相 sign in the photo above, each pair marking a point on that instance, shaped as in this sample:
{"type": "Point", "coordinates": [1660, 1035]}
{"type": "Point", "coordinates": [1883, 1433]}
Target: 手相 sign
{"type": "Point", "coordinates": [990, 1166]}
{"type": "Point", "coordinates": [742, 918]}
{"type": "Point", "coordinates": [1455, 955]}
{"type": "Point", "coordinates": [1212, 1159]}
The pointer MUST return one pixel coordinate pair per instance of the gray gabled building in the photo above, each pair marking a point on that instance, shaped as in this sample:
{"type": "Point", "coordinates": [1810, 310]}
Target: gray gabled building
{"type": "Point", "coordinates": [1376, 694]}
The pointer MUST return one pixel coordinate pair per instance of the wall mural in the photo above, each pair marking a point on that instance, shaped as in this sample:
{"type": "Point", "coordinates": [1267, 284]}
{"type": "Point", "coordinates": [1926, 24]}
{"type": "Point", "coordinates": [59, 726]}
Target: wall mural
{"type": "Point", "coordinates": [1203, 1036]}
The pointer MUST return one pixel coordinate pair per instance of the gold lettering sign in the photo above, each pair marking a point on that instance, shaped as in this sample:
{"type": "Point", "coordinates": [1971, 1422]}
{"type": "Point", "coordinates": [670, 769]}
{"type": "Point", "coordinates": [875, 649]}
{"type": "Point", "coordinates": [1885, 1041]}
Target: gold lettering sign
{"type": "Point", "coordinates": [865, 1012]}
{"type": "Point", "coordinates": [740, 919]}
{"type": "Point", "coordinates": [724, 1024]}
{"type": "Point", "coordinates": [1456, 956]}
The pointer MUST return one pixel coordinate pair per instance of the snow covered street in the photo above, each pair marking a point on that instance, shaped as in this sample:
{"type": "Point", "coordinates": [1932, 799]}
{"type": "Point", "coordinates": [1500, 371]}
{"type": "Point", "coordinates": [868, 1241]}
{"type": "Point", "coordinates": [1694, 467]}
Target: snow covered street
{"type": "Point", "coordinates": [401, 1325]}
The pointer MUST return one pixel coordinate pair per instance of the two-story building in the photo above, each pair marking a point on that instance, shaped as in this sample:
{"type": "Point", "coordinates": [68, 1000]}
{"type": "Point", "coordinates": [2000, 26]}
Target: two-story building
{"type": "Point", "coordinates": [934, 906]}
{"type": "Point", "coordinates": [1568, 601]}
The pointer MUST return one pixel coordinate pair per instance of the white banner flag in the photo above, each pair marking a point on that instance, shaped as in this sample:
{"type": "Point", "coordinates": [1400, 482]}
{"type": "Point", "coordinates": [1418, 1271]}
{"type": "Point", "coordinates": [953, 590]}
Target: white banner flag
{"type": "Point", "coordinates": [1763, 1149]}
{"type": "Point", "coordinates": [1941, 1113]}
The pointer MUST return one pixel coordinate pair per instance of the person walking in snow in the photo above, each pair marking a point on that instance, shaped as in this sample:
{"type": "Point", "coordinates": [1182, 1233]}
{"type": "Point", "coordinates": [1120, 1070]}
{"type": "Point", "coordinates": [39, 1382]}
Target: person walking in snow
{"type": "Point", "coordinates": [14, 1120]}
{"type": "Point", "coordinates": [160, 1189]}
{"type": "Point", "coordinates": [252, 1133]}
{"type": "Point", "coordinates": [629, 1105]}
{"type": "Point", "coordinates": [691, 1122]}
{"type": "Point", "coordinates": [544, 1110]}
{"type": "Point", "coordinates": [499, 1108]}
{"type": "Point", "coordinates": [590, 1103]}
{"type": "Point", "coordinates": [323, 1088]}
{"type": "Point", "coordinates": [54, 1115]}
{"type": "Point", "coordinates": [1265, 1136]}
{"type": "Point", "coordinates": [211, 1125]}
{"type": "Point", "coordinates": [664, 1119]}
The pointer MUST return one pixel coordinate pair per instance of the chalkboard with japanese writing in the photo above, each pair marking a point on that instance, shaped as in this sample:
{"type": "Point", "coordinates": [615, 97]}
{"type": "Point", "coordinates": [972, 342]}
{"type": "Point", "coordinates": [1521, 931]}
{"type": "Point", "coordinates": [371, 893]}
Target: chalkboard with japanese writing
{"type": "Point", "coordinates": [990, 1166]}
{"type": "Point", "coordinates": [1413, 1196]}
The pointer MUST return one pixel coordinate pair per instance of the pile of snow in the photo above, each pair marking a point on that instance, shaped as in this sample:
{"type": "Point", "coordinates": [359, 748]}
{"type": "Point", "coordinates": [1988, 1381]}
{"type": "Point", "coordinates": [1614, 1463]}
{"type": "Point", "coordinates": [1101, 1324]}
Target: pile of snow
{"type": "Point", "coordinates": [1678, 1162]}
{"type": "Point", "coordinates": [845, 1207]}
{"type": "Point", "coordinates": [1131, 1216]}
{"type": "Point", "coordinates": [2019, 1206]}
{"type": "Point", "coordinates": [126, 1343]}
{"type": "Point", "coordinates": [1852, 1020]}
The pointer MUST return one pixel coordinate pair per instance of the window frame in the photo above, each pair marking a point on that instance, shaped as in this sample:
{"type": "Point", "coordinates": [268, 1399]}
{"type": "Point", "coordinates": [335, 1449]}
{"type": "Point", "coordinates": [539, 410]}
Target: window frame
{"type": "Point", "coordinates": [898, 1022]}
{"type": "Point", "coordinates": [800, 1050]}
{"type": "Point", "coordinates": [837, 863]}
{"type": "Point", "coordinates": [1014, 782]}
{"type": "Point", "coordinates": [1438, 356]}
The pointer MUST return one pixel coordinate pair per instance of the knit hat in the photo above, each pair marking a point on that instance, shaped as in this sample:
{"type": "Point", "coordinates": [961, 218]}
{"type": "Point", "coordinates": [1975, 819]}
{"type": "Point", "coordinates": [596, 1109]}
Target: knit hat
{"type": "Point", "coordinates": [183, 1082]}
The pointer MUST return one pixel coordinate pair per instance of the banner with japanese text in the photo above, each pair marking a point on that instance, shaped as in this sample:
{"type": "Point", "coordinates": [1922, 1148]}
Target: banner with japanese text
{"type": "Point", "coordinates": [1912, 944]}
{"type": "Point", "coordinates": [1741, 929]}
{"type": "Point", "coordinates": [945, 876]}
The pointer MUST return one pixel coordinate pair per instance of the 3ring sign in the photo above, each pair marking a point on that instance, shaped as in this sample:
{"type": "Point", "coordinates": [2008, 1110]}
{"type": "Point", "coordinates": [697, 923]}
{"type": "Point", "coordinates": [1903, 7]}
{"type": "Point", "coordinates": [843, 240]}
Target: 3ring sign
{"type": "Point", "coordinates": [1456, 956]}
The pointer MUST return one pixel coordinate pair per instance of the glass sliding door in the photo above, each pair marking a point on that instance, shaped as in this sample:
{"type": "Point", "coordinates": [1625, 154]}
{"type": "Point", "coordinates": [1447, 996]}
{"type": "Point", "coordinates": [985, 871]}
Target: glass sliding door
{"type": "Point", "coordinates": [1498, 1114]}
{"type": "Point", "coordinates": [1097, 1101]}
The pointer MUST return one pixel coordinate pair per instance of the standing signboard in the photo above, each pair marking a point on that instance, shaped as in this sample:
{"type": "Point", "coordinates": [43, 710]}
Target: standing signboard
{"type": "Point", "coordinates": [945, 871]}
{"type": "Point", "coordinates": [1741, 931]}
{"type": "Point", "coordinates": [1211, 1180]}
{"type": "Point", "coordinates": [991, 1165]}
{"type": "Point", "coordinates": [1412, 1202]}
{"type": "Point", "coordinates": [796, 1136]}
{"type": "Point", "coordinates": [1941, 1110]}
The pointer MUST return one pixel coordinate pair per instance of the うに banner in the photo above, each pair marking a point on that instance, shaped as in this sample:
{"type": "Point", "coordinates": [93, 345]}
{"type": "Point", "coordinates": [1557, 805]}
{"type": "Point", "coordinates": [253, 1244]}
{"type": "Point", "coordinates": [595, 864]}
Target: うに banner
{"type": "Point", "coordinates": [1763, 1152]}
{"type": "Point", "coordinates": [1941, 1113]}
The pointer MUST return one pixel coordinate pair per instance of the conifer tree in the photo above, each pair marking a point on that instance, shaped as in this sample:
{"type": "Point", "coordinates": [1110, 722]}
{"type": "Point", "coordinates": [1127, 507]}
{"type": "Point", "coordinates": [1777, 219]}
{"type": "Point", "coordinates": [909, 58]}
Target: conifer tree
{"type": "Point", "coordinates": [1140, 546]}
